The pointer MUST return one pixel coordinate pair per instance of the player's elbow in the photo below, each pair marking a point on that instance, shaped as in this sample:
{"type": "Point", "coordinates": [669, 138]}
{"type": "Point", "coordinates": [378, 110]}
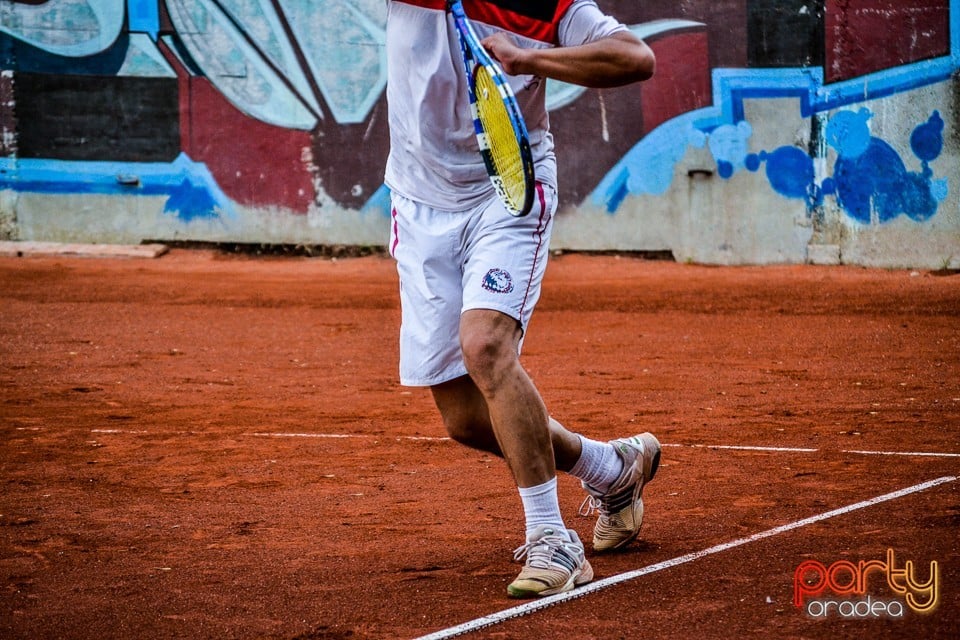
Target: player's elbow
{"type": "Point", "coordinates": [643, 63]}
{"type": "Point", "coordinates": [649, 66]}
{"type": "Point", "coordinates": [633, 61]}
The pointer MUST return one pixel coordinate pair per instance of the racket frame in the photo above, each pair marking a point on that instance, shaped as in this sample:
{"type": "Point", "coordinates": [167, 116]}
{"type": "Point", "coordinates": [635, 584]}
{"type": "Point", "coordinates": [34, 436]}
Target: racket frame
{"type": "Point", "coordinates": [475, 56]}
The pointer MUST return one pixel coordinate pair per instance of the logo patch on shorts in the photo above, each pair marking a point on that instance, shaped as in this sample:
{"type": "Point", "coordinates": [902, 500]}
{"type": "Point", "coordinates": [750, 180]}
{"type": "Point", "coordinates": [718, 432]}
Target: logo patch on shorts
{"type": "Point", "coordinates": [498, 281]}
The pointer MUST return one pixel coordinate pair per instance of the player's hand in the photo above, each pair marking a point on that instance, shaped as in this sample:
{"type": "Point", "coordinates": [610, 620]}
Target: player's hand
{"type": "Point", "coordinates": [505, 51]}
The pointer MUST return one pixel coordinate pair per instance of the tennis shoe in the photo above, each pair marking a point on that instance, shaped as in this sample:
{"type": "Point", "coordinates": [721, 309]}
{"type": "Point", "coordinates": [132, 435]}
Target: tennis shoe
{"type": "Point", "coordinates": [554, 564]}
{"type": "Point", "coordinates": [621, 506]}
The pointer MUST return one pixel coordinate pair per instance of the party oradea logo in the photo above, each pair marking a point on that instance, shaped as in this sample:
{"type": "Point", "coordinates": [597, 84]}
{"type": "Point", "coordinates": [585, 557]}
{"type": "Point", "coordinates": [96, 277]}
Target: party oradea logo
{"type": "Point", "coordinates": [868, 589]}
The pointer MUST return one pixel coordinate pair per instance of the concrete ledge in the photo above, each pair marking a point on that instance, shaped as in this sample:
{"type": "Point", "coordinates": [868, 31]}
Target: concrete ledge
{"type": "Point", "coordinates": [24, 249]}
{"type": "Point", "coordinates": [823, 254]}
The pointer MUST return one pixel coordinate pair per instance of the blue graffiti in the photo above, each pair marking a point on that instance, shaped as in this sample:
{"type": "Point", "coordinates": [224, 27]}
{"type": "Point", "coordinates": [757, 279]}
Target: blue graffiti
{"type": "Point", "coordinates": [731, 87]}
{"type": "Point", "coordinates": [190, 201]}
{"type": "Point", "coordinates": [849, 132]}
{"type": "Point", "coordinates": [790, 172]}
{"type": "Point", "coordinates": [728, 144]}
{"type": "Point", "coordinates": [870, 180]}
{"type": "Point", "coordinates": [649, 166]}
{"type": "Point", "coordinates": [192, 192]}
{"type": "Point", "coordinates": [927, 140]}
{"type": "Point", "coordinates": [264, 57]}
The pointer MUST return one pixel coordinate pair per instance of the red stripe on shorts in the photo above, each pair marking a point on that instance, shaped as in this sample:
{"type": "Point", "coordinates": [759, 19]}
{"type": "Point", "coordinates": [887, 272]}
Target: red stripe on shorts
{"type": "Point", "coordinates": [541, 229]}
{"type": "Point", "coordinates": [396, 232]}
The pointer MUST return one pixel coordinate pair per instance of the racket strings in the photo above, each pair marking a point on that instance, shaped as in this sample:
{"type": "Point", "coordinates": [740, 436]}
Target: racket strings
{"type": "Point", "coordinates": [503, 148]}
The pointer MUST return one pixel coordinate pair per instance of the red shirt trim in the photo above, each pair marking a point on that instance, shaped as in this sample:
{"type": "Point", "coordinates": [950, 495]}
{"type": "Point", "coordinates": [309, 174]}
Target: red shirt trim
{"type": "Point", "coordinates": [535, 19]}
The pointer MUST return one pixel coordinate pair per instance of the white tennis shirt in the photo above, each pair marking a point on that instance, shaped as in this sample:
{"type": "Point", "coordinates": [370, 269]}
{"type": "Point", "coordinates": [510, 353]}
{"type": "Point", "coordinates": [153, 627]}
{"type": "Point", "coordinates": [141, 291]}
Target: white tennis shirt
{"type": "Point", "coordinates": [433, 149]}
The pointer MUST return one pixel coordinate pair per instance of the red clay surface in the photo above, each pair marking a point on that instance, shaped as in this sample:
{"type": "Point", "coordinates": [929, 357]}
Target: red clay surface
{"type": "Point", "coordinates": [164, 475]}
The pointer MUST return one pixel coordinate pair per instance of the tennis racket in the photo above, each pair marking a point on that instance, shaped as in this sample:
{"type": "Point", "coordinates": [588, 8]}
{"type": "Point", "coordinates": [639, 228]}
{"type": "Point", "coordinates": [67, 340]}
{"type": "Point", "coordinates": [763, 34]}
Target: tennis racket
{"type": "Point", "coordinates": [497, 121]}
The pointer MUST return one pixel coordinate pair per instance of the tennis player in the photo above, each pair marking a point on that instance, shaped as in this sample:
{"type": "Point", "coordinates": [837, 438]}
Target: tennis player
{"type": "Point", "coordinates": [470, 273]}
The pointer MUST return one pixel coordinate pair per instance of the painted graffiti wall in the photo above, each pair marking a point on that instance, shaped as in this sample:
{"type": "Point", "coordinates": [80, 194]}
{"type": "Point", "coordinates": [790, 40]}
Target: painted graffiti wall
{"type": "Point", "coordinates": [774, 131]}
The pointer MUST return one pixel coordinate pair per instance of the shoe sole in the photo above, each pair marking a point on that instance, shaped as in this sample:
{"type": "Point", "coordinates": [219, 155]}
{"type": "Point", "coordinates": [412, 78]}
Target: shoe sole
{"type": "Point", "coordinates": [649, 441]}
{"type": "Point", "coordinates": [582, 577]}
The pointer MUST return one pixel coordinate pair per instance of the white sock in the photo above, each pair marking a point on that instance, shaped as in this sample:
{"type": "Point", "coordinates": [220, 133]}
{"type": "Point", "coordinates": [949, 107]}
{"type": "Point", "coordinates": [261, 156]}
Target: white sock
{"type": "Point", "coordinates": [541, 507]}
{"type": "Point", "coordinates": [599, 465]}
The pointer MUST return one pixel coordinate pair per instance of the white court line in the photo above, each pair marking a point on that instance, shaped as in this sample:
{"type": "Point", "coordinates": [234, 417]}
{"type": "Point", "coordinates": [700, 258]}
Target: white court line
{"type": "Point", "coordinates": [530, 607]}
{"type": "Point", "coordinates": [903, 453]}
{"type": "Point", "coordinates": [734, 447]}
{"type": "Point", "coordinates": [134, 432]}
{"type": "Point", "coordinates": [926, 454]}
{"type": "Point", "coordinates": [726, 447]}
{"type": "Point", "coordinates": [345, 435]}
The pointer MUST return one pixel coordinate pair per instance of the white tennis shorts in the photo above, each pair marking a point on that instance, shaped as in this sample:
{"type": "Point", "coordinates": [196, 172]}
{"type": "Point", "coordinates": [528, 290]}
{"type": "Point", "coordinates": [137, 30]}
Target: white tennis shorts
{"type": "Point", "coordinates": [453, 261]}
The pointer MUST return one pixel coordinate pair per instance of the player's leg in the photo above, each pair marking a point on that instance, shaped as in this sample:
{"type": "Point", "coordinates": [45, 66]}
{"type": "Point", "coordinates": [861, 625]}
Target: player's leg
{"type": "Point", "coordinates": [467, 420]}
{"type": "Point", "coordinates": [518, 416]}
{"type": "Point", "coordinates": [504, 260]}
{"type": "Point", "coordinates": [613, 473]}
{"type": "Point", "coordinates": [425, 243]}
{"type": "Point", "coordinates": [465, 415]}
{"type": "Point", "coordinates": [617, 498]}
{"type": "Point", "coordinates": [521, 428]}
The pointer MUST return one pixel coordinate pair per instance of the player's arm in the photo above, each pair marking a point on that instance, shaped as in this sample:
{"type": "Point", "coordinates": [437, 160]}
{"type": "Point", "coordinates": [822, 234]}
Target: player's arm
{"type": "Point", "coordinates": [613, 61]}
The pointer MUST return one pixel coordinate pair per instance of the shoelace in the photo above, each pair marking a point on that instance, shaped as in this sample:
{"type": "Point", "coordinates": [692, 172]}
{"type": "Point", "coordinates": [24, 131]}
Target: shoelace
{"type": "Point", "coordinates": [591, 505]}
{"type": "Point", "coordinates": [540, 551]}
{"type": "Point", "coordinates": [608, 504]}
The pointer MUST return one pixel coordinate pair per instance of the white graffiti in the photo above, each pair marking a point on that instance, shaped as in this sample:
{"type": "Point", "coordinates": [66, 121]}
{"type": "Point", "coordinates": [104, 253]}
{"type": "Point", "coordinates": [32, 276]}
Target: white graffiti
{"type": "Point", "coordinates": [93, 25]}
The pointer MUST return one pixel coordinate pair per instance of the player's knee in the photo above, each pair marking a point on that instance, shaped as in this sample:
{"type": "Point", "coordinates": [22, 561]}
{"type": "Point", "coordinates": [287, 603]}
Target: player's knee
{"type": "Point", "coordinates": [479, 352]}
{"type": "Point", "coordinates": [486, 357]}
{"type": "Point", "coordinates": [488, 339]}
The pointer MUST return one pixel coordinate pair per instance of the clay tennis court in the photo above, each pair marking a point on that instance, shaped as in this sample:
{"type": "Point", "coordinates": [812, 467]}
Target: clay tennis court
{"type": "Point", "coordinates": [210, 445]}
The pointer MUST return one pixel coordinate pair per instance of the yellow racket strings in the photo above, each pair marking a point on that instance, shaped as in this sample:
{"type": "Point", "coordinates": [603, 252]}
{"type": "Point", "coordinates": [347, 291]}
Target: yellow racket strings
{"type": "Point", "coordinates": [504, 147]}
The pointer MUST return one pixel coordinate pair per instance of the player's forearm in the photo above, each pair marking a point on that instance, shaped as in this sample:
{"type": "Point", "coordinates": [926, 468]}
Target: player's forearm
{"type": "Point", "coordinates": [611, 62]}
{"type": "Point", "coordinates": [614, 61]}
